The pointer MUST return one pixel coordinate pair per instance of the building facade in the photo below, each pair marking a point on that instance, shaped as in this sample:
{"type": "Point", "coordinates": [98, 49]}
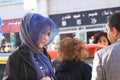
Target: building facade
{"type": "Point", "coordinates": [78, 18]}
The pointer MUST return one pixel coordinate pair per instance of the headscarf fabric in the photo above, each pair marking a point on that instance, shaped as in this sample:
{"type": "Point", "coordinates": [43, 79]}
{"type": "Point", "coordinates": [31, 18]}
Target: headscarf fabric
{"type": "Point", "coordinates": [32, 31]}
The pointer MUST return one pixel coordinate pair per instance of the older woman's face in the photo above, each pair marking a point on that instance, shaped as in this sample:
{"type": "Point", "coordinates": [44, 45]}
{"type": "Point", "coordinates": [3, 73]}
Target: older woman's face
{"type": "Point", "coordinates": [44, 40]}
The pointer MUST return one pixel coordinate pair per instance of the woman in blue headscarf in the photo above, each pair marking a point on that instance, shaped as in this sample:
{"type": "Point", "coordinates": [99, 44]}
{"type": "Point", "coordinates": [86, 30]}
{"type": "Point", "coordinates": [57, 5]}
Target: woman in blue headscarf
{"type": "Point", "coordinates": [31, 61]}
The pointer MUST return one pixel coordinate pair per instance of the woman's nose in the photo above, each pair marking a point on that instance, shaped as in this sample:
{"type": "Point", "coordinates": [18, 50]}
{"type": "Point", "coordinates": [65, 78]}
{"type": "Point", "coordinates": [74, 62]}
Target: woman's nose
{"type": "Point", "coordinates": [46, 37]}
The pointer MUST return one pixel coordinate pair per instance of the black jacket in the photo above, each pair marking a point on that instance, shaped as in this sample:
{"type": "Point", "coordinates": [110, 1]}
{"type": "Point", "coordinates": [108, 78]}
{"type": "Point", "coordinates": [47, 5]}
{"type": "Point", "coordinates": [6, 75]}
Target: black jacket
{"type": "Point", "coordinates": [20, 66]}
{"type": "Point", "coordinates": [72, 70]}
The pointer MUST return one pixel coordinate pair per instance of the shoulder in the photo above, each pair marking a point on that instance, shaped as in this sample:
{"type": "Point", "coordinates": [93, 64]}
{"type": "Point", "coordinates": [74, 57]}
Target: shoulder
{"type": "Point", "coordinates": [84, 65]}
{"type": "Point", "coordinates": [109, 49]}
{"type": "Point", "coordinates": [83, 68]}
{"type": "Point", "coordinates": [106, 54]}
{"type": "Point", "coordinates": [16, 55]}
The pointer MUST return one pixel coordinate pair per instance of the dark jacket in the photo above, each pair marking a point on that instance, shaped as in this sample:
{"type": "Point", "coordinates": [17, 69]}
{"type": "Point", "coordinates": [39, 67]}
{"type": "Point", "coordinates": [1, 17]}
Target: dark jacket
{"type": "Point", "coordinates": [72, 70]}
{"type": "Point", "coordinates": [20, 66]}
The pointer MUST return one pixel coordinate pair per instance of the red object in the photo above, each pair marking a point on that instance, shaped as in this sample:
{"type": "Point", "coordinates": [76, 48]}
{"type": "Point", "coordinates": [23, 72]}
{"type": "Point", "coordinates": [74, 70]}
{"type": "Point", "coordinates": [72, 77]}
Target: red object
{"type": "Point", "coordinates": [92, 48]}
{"type": "Point", "coordinates": [53, 54]}
{"type": "Point", "coordinates": [11, 25]}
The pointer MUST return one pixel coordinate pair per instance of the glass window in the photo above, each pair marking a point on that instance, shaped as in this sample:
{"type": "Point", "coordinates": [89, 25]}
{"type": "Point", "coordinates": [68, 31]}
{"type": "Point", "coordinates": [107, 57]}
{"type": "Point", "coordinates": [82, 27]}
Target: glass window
{"type": "Point", "coordinates": [82, 36]}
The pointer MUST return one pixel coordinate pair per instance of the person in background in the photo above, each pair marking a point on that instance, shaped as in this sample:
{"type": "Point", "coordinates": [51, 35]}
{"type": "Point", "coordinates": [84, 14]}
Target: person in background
{"type": "Point", "coordinates": [71, 55]}
{"type": "Point", "coordinates": [101, 38]}
{"type": "Point", "coordinates": [8, 48]}
{"type": "Point", "coordinates": [106, 64]}
{"type": "Point", "coordinates": [91, 40]}
{"type": "Point", "coordinates": [31, 61]}
{"type": "Point", "coordinates": [99, 41]}
{"type": "Point", "coordinates": [3, 45]}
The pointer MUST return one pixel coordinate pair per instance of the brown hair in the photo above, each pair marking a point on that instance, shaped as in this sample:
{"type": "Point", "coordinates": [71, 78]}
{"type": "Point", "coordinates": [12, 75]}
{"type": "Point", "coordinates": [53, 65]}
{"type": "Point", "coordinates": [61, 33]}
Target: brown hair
{"type": "Point", "coordinates": [98, 35]}
{"type": "Point", "coordinates": [71, 49]}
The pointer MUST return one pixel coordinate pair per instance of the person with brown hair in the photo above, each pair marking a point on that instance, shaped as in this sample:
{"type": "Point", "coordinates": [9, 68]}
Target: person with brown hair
{"type": "Point", "coordinates": [100, 37]}
{"type": "Point", "coordinates": [71, 55]}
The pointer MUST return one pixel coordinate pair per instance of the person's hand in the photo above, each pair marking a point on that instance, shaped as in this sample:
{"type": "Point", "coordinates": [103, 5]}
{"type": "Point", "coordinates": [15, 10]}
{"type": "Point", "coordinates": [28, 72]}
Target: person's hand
{"type": "Point", "coordinates": [46, 78]}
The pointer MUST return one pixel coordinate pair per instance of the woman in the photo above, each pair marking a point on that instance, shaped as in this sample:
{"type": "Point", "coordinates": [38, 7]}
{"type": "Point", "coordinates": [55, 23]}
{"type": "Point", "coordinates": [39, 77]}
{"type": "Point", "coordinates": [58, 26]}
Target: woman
{"type": "Point", "coordinates": [3, 45]}
{"type": "Point", "coordinates": [71, 55]}
{"type": "Point", "coordinates": [101, 38]}
{"type": "Point", "coordinates": [31, 61]}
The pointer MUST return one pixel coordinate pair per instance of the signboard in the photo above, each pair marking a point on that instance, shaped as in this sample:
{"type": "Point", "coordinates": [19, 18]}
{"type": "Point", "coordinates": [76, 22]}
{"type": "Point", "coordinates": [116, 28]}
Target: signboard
{"type": "Point", "coordinates": [83, 17]}
{"type": "Point", "coordinates": [11, 26]}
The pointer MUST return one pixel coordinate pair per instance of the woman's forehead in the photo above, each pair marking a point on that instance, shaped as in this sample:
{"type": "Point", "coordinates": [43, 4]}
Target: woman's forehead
{"type": "Point", "coordinates": [47, 28]}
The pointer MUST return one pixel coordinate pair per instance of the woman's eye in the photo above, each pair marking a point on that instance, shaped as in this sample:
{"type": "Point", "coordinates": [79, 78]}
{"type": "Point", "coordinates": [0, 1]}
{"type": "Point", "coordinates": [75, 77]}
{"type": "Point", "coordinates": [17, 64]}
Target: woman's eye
{"type": "Point", "coordinates": [48, 34]}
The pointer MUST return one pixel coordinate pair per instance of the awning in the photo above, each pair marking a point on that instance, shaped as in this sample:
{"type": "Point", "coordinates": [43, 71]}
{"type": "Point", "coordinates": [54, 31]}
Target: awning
{"type": "Point", "coordinates": [11, 26]}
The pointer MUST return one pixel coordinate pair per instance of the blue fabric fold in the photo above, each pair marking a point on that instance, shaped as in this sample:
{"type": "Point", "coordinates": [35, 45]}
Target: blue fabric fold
{"type": "Point", "coordinates": [41, 60]}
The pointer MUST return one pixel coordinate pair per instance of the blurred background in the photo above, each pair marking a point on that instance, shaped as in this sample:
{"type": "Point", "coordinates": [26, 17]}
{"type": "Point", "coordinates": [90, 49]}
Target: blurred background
{"type": "Point", "coordinates": [75, 18]}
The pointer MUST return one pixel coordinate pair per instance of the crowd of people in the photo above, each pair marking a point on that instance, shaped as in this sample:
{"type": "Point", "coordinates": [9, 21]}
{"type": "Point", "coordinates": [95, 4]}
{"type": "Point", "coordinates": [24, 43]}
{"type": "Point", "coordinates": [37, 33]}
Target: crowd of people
{"type": "Point", "coordinates": [34, 63]}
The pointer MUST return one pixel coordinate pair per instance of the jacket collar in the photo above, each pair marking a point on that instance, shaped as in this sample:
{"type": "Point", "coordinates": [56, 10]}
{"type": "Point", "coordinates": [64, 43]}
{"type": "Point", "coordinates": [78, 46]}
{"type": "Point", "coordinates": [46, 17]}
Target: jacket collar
{"type": "Point", "coordinates": [118, 39]}
{"type": "Point", "coordinates": [24, 53]}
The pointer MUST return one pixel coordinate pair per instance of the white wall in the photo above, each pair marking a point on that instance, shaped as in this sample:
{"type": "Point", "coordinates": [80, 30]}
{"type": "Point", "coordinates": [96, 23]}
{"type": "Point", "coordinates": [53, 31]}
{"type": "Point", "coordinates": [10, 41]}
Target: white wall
{"type": "Point", "coordinates": [48, 7]}
{"type": "Point", "coordinates": [64, 6]}
{"type": "Point", "coordinates": [11, 11]}
{"type": "Point", "coordinates": [42, 7]}
{"type": "Point", "coordinates": [16, 10]}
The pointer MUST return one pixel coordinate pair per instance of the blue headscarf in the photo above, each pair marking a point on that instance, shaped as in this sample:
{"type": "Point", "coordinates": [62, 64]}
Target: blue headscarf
{"type": "Point", "coordinates": [33, 29]}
